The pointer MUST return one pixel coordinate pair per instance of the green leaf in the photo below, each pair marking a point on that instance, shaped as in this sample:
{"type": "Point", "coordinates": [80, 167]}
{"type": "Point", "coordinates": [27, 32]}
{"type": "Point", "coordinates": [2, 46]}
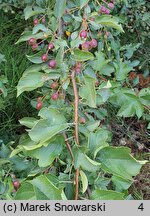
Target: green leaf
{"type": "Point", "coordinates": [109, 21]}
{"type": "Point", "coordinates": [121, 183]}
{"type": "Point", "coordinates": [2, 58]}
{"type": "Point", "coordinates": [130, 103]}
{"type": "Point", "coordinates": [106, 195]}
{"type": "Point", "coordinates": [98, 140]}
{"type": "Point", "coordinates": [83, 3]}
{"type": "Point", "coordinates": [47, 188]}
{"type": "Point", "coordinates": [60, 56]}
{"type": "Point", "coordinates": [59, 8]}
{"type": "Point", "coordinates": [29, 82]}
{"type": "Point", "coordinates": [40, 27]}
{"type": "Point", "coordinates": [30, 11]}
{"type": "Point", "coordinates": [40, 188]}
{"type": "Point", "coordinates": [93, 125]}
{"type": "Point", "coordinates": [107, 70]}
{"type": "Point", "coordinates": [84, 181]}
{"type": "Point", "coordinates": [80, 55]}
{"type": "Point", "coordinates": [52, 123]}
{"type": "Point", "coordinates": [83, 161]}
{"type": "Point", "coordinates": [29, 122]}
{"type": "Point", "coordinates": [28, 34]}
{"type": "Point", "coordinates": [28, 144]}
{"type": "Point", "coordinates": [35, 68]}
{"type": "Point", "coordinates": [87, 92]}
{"type": "Point", "coordinates": [36, 58]}
{"type": "Point", "coordinates": [119, 161]}
{"type": "Point", "coordinates": [122, 70]}
{"type": "Point", "coordinates": [148, 126]}
{"type": "Point", "coordinates": [46, 155]}
{"type": "Point", "coordinates": [26, 192]}
{"type": "Point", "coordinates": [100, 61]}
{"type": "Point", "coordinates": [130, 108]}
{"type": "Point", "coordinates": [144, 96]}
{"type": "Point", "coordinates": [3, 161]}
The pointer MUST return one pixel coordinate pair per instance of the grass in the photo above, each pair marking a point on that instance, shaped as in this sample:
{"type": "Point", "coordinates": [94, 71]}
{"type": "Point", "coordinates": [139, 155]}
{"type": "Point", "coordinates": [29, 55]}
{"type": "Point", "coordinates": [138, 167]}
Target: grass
{"type": "Point", "coordinates": [12, 109]}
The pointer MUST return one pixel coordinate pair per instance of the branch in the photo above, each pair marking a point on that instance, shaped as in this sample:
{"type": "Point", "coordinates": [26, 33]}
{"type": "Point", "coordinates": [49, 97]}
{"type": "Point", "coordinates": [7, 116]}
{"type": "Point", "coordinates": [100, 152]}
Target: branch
{"type": "Point", "coordinates": [76, 105]}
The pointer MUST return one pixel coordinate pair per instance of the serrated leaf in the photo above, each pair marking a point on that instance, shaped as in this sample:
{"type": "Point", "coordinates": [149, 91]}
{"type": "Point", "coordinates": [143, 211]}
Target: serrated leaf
{"type": "Point", "coordinates": [84, 181]}
{"type": "Point", "coordinates": [29, 82]}
{"type": "Point", "coordinates": [80, 55]}
{"type": "Point", "coordinates": [109, 21]}
{"type": "Point", "coordinates": [99, 194]}
{"type": "Point", "coordinates": [30, 11]}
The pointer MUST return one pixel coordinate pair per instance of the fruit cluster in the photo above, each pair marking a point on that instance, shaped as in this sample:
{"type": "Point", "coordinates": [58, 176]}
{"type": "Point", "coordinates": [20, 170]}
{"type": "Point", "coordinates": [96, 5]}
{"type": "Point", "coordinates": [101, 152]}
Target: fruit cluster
{"type": "Point", "coordinates": [106, 10]}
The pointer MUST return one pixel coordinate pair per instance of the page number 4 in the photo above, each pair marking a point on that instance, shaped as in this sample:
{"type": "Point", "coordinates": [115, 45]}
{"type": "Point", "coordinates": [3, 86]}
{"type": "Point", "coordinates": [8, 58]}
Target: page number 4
{"type": "Point", "coordinates": [141, 207]}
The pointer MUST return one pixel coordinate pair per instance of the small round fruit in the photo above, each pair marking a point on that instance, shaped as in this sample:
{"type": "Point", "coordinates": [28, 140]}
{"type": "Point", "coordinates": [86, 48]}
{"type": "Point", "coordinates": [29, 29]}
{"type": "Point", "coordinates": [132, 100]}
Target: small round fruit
{"type": "Point", "coordinates": [82, 120]}
{"type": "Point", "coordinates": [93, 43]}
{"type": "Point", "coordinates": [16, 184]}
{"type": "Point", "coordinates": [55, 96]}
{"type": "Point", "coordinates": [83, 34]}
{"type": "Point", "coordinates": [111, 5]}
{"type": "Point", "coordinates": [43, 20]}
{"type": "Point", "coordinates": [51, 46]}
{"type": "Point", "coordinates": [107, 11]}
{"type": "Point", "coordinates": [54, 85]}
{"type": "Point", "coordinates": [103, 9]}
{"type": "Point", "coordinates": [86, 45]}
{"type": "Point", "coordinates": [79, 64]}
{"type": "Point", "coordinates": [52, 63]}
{"type": "Point", "coordinates": [34, 47]}
{"type": "Point", "coordinates": [77, 70]}
{"type": "Point", "coordinates": [39, 105]}
{"type": "Point", "coordinates": [31, 41]}
{"type": "Point", "coordinates": [35, 21]}
{"type": "Point", "coordinates": [44, 57]}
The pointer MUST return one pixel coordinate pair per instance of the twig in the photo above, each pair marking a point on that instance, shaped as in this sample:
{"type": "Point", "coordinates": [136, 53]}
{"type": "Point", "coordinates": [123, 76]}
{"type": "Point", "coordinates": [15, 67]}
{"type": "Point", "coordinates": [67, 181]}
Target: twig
{"type": "Point", "coordinates": [68, 147]}
{"type": "Point", "coordinates": [76, 104]}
